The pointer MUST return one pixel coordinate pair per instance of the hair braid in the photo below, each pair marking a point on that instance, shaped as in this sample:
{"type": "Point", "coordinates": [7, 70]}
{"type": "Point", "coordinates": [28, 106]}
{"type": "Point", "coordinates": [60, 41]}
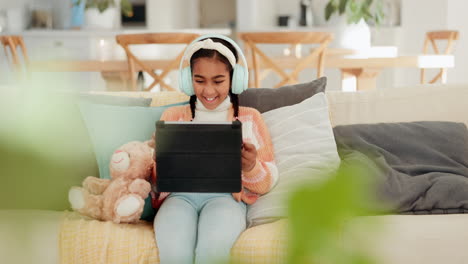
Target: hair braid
{"type": "Point", "coordinates": [193, 100]}
{"type": "Point", "coordinates": [235, 103]}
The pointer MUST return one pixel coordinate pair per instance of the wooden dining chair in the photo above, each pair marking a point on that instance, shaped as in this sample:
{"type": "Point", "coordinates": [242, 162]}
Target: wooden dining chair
{"type": "Point", "coordinates": [293, 38]}
{"type": "Point", "coordinates": [432, 38]}
{"type": "Point", "coordinates": [127, 40]}
{"type": "Point", "coordinates": [12, 45]}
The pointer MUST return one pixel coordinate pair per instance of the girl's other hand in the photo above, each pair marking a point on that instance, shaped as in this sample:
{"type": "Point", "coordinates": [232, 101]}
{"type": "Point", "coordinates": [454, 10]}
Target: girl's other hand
{"type": "Point", "coordinates": [249, 156]}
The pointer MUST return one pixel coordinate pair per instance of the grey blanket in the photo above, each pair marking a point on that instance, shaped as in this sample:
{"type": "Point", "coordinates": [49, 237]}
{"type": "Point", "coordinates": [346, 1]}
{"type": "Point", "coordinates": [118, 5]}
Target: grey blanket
{"type": "Point", "coordinates": [422, 167]}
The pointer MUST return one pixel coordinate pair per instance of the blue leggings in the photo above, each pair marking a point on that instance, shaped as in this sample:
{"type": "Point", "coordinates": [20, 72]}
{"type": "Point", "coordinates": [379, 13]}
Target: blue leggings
{"type": "Point", "coordinates": [200, 227]}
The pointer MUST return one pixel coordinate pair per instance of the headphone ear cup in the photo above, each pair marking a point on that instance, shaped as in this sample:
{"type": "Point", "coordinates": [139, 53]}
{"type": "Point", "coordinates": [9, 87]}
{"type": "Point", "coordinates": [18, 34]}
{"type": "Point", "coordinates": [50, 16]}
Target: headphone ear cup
{"type": "Point", "coordinates": [185, 79]}
{"type": "Point", "coordinates": [239, 79]}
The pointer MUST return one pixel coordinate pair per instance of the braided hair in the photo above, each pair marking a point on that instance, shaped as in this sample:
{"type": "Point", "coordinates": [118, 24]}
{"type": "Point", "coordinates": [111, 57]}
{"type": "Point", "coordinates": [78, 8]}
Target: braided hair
{"type": "Point", "coordinates": [207, 53]}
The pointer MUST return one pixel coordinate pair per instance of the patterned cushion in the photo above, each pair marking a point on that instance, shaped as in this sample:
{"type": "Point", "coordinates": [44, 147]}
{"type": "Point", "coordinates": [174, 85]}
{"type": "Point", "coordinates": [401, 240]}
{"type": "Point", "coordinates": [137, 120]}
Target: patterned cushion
{"type": "Point", "coordinates": [262, 244]}
{"type": "Point", "coordinates": [83, 240]}
{"type": "Point", "coordinates": [167, 98]}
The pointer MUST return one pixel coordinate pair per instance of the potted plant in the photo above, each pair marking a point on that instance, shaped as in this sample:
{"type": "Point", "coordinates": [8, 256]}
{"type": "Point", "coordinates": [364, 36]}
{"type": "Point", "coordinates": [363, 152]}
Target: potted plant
{"type": "Point", "coordinates": [105, 14]}
{"type": "Point", "coordinates": [350, 19]}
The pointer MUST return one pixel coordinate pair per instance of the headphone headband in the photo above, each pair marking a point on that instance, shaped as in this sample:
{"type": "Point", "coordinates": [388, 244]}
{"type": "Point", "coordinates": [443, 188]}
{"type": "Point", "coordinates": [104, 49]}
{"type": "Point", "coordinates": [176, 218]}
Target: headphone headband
{"type": "Point", "coordinates": [210, 36]}
{"type": "Point", "coordinates": [211, 45]}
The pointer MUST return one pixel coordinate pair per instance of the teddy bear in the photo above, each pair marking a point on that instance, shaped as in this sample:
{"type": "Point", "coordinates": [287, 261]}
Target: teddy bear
{"type": "Point", "coordinates": [121, 198]}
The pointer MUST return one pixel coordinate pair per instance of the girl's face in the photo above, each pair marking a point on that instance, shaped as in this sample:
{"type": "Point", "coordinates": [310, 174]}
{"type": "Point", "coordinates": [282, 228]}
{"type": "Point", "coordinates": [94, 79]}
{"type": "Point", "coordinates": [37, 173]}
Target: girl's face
{"type": "Point", "coordinates": [211, 81]}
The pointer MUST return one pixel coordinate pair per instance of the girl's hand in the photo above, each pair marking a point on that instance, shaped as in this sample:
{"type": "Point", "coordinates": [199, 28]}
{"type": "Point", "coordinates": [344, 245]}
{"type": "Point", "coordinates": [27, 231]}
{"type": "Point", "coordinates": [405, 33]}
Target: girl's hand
{"type": "Point", "coordinates": [249, 157]}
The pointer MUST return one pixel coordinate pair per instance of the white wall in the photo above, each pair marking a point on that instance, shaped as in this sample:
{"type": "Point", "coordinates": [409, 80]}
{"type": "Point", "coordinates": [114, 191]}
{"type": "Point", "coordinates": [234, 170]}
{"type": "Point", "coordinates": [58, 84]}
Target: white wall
{"type": "Point", "coordinates": [418, 17]}
{"type": "Point", "coordinates": [287, 7]}
{"type": "Point", "coordinates": [255, 14]}
{"type": "Point", "coordinates": [171, 14]}
{"type": "Point", "coordinates": [11, 8]}
{"type": "Point", "coordinates": [433, 15]}
{"type": "Point", "coordinates": [4, 4]}
{"type": "Point", "coordinates": [217, 13]}
{"type": "Point", "coordinates": [457, 19]}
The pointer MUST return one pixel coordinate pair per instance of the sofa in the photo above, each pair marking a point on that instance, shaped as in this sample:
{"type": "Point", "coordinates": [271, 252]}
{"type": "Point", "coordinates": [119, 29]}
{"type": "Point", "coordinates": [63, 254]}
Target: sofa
{"type": "Point", "coordinates": [45, 236]}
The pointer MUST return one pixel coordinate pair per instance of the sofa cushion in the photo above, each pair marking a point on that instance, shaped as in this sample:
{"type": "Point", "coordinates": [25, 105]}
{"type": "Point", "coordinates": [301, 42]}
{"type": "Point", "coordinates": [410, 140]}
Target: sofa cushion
{"type": "Point", "coordinates": [262, 244]}
{"type": "Point", "coordinates": [405, 104]}
{"type": "Point", "coordinates": [84, 240]}
{"type": "Point", "coordinates": [305, 150]}
{"type": "Point", "coordinates": [266, 99]}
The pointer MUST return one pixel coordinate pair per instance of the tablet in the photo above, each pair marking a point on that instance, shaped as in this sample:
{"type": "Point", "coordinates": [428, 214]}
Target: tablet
{"type": "Point", "coordinates": [198, 157]}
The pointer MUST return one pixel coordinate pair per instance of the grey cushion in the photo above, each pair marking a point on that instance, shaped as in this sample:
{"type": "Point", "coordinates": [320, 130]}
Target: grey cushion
{"type": "Point", "coordinates": [266, 99]}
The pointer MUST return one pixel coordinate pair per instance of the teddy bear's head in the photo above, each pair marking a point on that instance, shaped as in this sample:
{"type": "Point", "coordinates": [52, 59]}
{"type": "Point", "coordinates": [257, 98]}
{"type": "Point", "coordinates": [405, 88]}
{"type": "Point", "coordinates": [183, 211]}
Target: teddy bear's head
{"type": "Point", "coordinates": [133, 160]}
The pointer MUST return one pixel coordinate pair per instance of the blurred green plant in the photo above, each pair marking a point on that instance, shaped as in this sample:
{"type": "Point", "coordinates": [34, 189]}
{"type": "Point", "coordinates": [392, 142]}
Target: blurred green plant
{"type": "Point", "coordinates": [42, 148]}
{"type": "Point", "coordinates": [319, 214]}
{"type": "Point", "coordinates": [355, 10]}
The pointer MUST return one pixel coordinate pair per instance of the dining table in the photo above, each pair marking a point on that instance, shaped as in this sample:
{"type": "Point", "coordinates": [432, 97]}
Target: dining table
{"type": "Point", "coordinates": [359, 69]}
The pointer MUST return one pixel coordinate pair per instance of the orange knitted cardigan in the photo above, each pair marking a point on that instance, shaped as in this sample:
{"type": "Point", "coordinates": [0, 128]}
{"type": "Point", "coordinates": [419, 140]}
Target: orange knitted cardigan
{"type": "Point", "coordinates": [263, 176]}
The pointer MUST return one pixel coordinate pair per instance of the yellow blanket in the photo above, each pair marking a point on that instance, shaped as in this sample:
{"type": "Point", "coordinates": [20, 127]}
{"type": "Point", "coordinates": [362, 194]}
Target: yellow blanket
{"type": "Point", "coordinates": [89, 241]}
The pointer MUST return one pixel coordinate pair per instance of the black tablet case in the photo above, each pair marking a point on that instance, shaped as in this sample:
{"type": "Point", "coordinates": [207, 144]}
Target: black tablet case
{"type": "Point", "coordinates": [195, 157]}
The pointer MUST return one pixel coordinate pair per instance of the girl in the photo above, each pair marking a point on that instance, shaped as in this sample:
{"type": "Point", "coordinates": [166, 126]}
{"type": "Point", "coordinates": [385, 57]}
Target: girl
{"type": "Point", "coordinates": [202, 227]}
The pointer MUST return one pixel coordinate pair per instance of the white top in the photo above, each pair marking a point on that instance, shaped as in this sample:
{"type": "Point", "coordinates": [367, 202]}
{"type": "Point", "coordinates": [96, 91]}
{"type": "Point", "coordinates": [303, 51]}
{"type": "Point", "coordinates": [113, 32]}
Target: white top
{"type": "Point", "coordinates": [218, 114]}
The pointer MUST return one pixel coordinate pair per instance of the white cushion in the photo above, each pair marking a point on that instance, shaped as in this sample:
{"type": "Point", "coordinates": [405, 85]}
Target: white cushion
{"type": "Point", "coordinates": [305, 150]}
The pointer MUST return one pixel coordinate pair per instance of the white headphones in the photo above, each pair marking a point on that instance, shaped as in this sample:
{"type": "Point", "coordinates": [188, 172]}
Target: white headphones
{"type": "Point", "coordinates": [240, 77]}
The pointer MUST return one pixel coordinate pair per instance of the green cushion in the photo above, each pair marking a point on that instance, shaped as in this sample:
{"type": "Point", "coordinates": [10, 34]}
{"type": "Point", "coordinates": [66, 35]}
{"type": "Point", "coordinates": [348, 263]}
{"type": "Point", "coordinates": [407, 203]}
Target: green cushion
{"type": "Point", "coordinates": [110, 127]}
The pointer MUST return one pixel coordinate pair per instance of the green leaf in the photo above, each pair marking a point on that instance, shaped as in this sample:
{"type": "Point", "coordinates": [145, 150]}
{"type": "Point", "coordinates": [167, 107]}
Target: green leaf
{"type": "Point", "coordinates": [90, 5]}
{"type": "Point", "coordinates": [102, 6]}
{"type": "Point", "coordinates": [366, 14]}
{"type": "Point", "coordinates": [367, 4]}
{"type": "Point", "coordinates": [353, 6]}
{"type": "Point", "coordinates": [126, 7]}
{"type": "Point", "coordinates": [342, 7]}
{"type": "Point", "coordinates": [378, 18]}
{"type": "Point", "coordinates": [329, 10]}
